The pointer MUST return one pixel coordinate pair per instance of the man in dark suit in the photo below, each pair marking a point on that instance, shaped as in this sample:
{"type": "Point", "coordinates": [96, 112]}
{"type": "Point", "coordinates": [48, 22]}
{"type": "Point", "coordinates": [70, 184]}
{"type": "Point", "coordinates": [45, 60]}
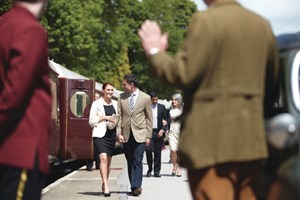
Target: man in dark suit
{"type": "Point", "coordinates": [25, 102]}
{"type": "Point", "coordinates": [135, 128]}
{"type": "Point", "coordinates": [159, 114]}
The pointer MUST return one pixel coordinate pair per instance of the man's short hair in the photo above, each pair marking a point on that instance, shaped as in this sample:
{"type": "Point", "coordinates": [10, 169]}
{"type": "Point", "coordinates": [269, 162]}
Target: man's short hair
{"type": "Point", "coordinates": [153, 94]}
{"type": "Point", "coordinates": [131, 78]}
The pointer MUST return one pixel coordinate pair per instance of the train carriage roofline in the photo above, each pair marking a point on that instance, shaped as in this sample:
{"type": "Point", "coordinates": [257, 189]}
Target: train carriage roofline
{"type": "Point", "coordinates": [64, 72]}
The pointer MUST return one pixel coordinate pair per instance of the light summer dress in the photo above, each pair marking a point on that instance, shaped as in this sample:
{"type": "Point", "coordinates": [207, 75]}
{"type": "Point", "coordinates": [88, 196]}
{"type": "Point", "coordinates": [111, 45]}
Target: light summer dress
{"type": "Point", "coordinates": [174, 131]}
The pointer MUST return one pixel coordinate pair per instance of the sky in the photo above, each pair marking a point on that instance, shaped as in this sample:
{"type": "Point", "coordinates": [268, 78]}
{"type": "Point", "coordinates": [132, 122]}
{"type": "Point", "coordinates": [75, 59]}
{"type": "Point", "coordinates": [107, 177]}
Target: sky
{"type": "Point", "coordinates": [284, 15]}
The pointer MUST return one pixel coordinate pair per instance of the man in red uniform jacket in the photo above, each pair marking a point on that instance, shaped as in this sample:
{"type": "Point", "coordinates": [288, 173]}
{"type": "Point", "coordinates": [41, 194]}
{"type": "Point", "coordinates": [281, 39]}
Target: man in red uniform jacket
{"type": "Point", "coordinates": [25, 101]}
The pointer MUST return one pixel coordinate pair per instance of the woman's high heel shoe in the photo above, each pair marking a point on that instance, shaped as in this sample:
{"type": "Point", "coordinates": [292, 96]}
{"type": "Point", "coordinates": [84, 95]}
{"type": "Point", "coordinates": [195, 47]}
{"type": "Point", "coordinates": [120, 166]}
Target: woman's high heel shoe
{"type": "Point", "coordinates": [179, 174]}
{"type": "Point", "coordinates": [174, 172]}
{"type": "Point", "coordinates": [106, 194]}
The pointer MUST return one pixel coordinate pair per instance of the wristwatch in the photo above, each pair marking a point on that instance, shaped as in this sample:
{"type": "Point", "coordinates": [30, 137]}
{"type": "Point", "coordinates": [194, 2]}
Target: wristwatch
{"type": "Point", "coordinates": [153, 51]}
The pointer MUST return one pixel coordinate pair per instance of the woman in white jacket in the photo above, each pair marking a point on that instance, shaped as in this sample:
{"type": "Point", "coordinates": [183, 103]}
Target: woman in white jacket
{"type": "Point", "coordinates": [104, 131]}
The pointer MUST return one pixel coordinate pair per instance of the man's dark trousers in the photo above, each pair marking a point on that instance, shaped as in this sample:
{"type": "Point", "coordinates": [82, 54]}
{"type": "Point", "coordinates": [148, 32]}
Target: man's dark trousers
{"type": "Point", "coordinates": [154, 147]}
{"type": "Point", "coordinates": [134, 153]}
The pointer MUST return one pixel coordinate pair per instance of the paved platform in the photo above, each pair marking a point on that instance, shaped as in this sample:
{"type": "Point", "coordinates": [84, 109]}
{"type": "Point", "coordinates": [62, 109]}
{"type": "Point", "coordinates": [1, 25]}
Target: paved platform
{"type": "Point", "coordinates": [86, 185]}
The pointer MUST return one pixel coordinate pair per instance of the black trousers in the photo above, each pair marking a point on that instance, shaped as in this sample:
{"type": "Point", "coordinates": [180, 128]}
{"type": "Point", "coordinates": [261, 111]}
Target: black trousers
{"type": "Point", "coordinates": [155, 148]}
{"type": "Point", "coordinates": [21, 184]}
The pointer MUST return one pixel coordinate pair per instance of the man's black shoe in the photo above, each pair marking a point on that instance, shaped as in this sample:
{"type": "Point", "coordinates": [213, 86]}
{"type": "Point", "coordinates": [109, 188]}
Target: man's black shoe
{"type": "Point", "coordinates": [89, 165]}
{"type": "Point", "coordinates": [157, 175]}
{"type": "Point", "coordinates": [89, 169]}
{"type": "Point", "coordinates": [137, 192]}
{"type": "Point", "coordinates": [148, 173]}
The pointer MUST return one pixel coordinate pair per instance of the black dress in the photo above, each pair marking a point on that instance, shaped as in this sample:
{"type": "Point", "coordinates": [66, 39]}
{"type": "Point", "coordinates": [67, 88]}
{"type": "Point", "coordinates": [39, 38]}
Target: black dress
{"type": "Point", "coordinates": [107, 143]}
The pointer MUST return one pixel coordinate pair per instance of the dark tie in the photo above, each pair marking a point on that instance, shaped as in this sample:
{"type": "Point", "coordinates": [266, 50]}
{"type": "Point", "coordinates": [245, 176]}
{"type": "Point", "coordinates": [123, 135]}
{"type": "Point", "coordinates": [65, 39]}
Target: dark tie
{"type": "Point", "coordinates": [131, 103]}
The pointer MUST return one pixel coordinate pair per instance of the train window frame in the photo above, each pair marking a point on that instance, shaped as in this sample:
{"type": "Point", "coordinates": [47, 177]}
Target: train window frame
{"type": "Point", "coordinates": [74, 100]}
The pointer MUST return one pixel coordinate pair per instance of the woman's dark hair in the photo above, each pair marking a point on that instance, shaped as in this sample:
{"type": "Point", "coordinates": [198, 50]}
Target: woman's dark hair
{"type": "Point", "coordinates": [106, 84]}
{"type": "Point", "coordinates": [131, 78]}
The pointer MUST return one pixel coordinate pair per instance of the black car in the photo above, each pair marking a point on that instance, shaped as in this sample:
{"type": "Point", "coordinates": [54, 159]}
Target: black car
{"type": "Point", "coordinates": [283, 130]}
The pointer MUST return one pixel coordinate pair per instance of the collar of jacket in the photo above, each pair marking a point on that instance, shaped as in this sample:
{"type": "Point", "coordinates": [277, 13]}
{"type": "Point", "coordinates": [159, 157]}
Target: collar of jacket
{"type": "Point", "coordinates": [219, 3]}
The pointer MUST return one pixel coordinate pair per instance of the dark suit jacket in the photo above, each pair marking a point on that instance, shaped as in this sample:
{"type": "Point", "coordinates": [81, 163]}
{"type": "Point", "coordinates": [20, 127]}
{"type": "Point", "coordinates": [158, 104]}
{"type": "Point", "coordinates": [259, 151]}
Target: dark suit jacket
{"type": "Point", "coordinates": [161, 114]}
{"type": "Point", "coordinates": [25, 95]}
{"type": "Point", "coordinates": [226, 68]}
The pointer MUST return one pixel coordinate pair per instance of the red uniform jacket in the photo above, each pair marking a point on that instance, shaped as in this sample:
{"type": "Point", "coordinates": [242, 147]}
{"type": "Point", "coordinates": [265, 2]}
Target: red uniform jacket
{"type": "Point", "coordinates": [25, 95]}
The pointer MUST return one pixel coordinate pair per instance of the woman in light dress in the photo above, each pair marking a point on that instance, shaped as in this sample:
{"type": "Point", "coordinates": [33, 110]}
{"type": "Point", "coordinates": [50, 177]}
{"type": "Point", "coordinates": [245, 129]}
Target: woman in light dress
{"type": "Point", "coordinates": [174, 131]}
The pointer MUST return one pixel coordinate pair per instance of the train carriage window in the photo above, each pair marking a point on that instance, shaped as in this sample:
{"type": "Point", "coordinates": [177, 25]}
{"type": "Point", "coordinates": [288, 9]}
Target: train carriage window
{"type": "Point", "coordinates": [79, 101]}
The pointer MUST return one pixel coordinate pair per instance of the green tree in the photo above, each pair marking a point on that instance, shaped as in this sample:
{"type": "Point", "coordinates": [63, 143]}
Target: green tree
{"type": "Point", "coordinates": [4, 6]}
{"type": "Point", "coordinates": [98, 38]}
{"type": "Point", "coordinates": [115, 76]}
{"type": "Point", "coordinates": [173, 17]}
{"type": "Point", "coordinates": [72, 27]}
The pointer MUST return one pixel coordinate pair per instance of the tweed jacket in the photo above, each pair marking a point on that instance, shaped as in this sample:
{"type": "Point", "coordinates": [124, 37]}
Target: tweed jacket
{"type": "Point", "coordinates": [227, 67]}
{"type": "Point", "coordinates": [97, 110]}
{"type": "Point", "coordinates": [25, 95]}
{"type": "Point", "coordinates": [139, 121]}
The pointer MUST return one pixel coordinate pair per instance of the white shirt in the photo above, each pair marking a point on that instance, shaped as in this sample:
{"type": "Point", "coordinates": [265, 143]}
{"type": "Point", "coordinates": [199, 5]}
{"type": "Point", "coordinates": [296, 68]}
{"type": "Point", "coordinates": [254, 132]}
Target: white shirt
{"type": "Point", "coordinates": [154, 115]}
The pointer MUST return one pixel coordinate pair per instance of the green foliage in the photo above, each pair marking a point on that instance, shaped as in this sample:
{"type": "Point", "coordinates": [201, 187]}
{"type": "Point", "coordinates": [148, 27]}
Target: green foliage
{"type": "Point", "coordinates": [4, 6]}
{"type": "Point", "coordinates": [98, 38]}
{"type": "Point", "coordinates": [173, 17]}
{"type": "Point", "coordinates": [72, 27]}
{"type": "Point", "coordinates": [115, 76]}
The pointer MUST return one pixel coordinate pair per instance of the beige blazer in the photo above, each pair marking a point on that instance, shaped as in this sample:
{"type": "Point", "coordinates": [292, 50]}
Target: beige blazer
{"type": "Point", "coordinates": [222, 69]}
{"type": "Point", "coordinates": [97, 110]}
{"type": "Point", "coordinates": [139, 121]}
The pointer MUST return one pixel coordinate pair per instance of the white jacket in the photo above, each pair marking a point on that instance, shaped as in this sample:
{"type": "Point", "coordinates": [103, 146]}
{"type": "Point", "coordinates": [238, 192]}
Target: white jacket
{"type": "Point", "coordinates": [97, 110]}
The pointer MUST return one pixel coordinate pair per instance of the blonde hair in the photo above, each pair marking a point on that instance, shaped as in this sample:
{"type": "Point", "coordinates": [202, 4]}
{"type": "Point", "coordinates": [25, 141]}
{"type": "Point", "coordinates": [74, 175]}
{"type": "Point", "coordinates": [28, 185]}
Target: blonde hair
{"type": "Point", "coordinates": [178, 97]}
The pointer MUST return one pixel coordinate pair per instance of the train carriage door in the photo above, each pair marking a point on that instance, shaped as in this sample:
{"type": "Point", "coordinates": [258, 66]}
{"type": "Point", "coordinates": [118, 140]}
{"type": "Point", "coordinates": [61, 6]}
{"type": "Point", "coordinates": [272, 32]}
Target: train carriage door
{"type": "Point", "coordinates": [55, 122]}
{"type": "Point", "coordinates": [76, 99]}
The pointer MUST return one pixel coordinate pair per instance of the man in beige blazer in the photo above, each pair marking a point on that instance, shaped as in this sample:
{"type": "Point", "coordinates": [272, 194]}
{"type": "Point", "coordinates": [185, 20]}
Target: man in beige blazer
{"type": "Point", "coordinates": [135, 128]}
{"type": "Point", "coordinates": [227, 69]}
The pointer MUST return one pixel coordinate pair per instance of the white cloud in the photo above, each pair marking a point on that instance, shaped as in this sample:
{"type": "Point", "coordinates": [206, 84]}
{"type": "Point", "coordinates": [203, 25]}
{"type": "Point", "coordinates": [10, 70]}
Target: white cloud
{"type": "Point", "coordinates": [284, 15]}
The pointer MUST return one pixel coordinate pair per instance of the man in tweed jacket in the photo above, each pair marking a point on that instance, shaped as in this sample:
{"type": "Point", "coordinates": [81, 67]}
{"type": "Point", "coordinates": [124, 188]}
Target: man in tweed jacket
{"type": "Point", "coordinates": [227, 68]}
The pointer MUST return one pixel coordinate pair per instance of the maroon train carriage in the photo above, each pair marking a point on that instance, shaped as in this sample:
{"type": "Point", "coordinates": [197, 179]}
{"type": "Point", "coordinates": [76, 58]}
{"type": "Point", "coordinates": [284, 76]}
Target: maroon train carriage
{"type": "Point", "coordinates": [72, 98]}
